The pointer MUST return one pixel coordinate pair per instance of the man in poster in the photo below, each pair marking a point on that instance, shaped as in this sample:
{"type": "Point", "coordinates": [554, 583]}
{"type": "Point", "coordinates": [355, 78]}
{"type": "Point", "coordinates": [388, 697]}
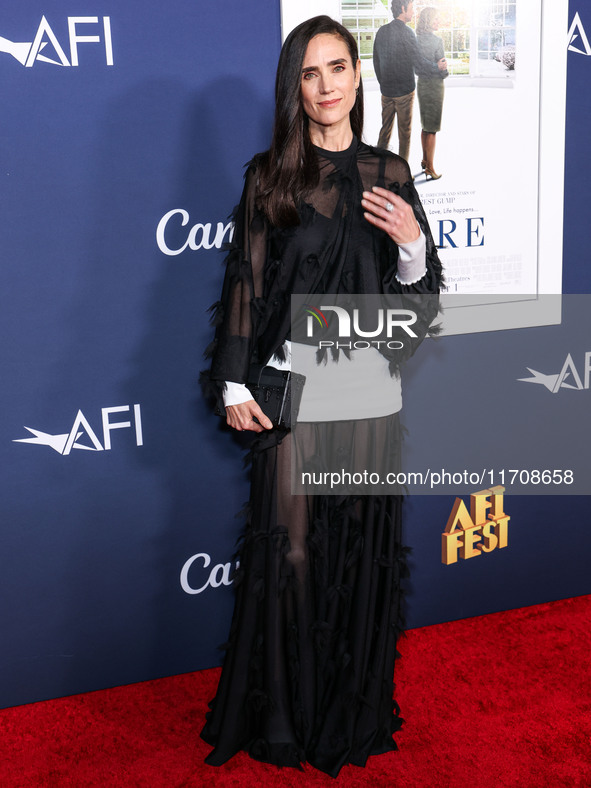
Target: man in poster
{"type": "Point", "coordinates": [396, 58]}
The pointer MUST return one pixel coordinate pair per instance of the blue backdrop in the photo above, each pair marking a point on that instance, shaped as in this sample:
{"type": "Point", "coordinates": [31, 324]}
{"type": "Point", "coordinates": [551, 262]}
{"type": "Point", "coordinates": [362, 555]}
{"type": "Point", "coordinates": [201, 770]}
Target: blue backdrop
{"type": "Point", "coordinates": [119, 489]}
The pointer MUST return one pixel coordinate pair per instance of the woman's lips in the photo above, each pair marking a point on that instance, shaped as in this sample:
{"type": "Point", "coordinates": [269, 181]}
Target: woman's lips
{"type": "Point", "coordinates": [331, 103]}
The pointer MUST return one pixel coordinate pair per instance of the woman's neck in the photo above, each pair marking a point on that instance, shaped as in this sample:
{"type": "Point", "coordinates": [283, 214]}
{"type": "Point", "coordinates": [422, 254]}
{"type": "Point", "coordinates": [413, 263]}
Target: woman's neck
{"type": "Point", "coordinates": [329, 138]}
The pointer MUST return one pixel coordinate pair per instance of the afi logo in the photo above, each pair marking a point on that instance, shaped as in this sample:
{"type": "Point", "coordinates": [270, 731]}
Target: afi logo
{"type": "Point", "coordinates": [65, 442]}
{"type": "Point", "coordinates": [473, 533]}
{"type": "Point", "coordinates": [567, 378]}
{"type": "Point", "coordinates": [578, 38]}
{"type": "Point", "coordinates": [28, 52]}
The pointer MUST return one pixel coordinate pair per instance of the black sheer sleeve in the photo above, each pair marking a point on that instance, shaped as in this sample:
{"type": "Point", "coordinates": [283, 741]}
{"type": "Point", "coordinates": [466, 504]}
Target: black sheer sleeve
{"type": "Point", "coordinates": [421, 296]}
{"type": "Point", "coordinates": [398, 179]}
{"type": "Point", "coordinates": [235, 314]}
{"type": "Point", "coordinates": [433, 278]}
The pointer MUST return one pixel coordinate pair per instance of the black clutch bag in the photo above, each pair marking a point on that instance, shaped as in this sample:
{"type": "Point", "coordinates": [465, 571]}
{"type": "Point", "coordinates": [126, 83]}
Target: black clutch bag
{"type": "Point", "coordinates": [277, 392]}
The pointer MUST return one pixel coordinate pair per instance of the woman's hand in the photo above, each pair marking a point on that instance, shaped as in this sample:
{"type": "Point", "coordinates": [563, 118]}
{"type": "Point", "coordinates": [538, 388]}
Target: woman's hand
{"type": "Point", "coordinates": [241, 417]}
{"type": "Point", "coordinates": [399, 221]}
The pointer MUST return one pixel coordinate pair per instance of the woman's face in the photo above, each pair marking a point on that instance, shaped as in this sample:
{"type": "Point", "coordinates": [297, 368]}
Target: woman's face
{"type": "Point", "coordinates": [329, 81]}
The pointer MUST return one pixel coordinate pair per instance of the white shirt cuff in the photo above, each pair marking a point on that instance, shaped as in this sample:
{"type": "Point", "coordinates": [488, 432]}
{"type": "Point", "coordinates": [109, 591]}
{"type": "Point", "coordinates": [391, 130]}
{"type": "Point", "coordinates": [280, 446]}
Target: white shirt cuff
{"type": "Point", "coordinates": [236, 394]}
{"type": "Point", "coordinates": [412, 261]}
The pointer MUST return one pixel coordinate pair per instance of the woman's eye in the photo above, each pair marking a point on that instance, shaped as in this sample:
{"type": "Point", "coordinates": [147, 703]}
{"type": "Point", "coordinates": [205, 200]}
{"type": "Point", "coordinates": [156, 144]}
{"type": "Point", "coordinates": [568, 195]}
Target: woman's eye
{"type": "Point", "coordinates": [308, 75]}
{"type": "Point", "coordinates": [339, 68]}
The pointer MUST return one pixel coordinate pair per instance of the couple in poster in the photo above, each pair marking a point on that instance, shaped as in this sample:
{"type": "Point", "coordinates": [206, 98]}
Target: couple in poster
{"type": "Point", "coordinates": [398, 55]}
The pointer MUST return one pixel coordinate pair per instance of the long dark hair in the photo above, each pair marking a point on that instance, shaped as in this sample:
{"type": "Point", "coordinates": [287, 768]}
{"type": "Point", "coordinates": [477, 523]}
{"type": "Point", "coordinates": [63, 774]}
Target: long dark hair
{"type": "Point", "coordinates": [290, 166]}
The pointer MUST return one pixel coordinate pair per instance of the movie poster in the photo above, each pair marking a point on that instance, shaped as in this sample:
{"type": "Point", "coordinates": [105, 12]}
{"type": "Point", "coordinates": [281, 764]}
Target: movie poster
{"type": "Point", "coordinates": [496, 211]}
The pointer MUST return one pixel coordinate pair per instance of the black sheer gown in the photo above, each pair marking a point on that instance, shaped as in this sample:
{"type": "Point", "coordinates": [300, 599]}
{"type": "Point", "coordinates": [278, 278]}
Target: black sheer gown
{"type": "Point", "coordinates": [308, 673]}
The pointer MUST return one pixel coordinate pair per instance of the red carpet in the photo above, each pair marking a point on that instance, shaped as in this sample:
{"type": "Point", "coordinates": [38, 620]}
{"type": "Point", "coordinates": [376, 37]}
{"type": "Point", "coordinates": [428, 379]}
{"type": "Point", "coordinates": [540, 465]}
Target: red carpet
{"type": "Point", "coordinates": [499, 700]}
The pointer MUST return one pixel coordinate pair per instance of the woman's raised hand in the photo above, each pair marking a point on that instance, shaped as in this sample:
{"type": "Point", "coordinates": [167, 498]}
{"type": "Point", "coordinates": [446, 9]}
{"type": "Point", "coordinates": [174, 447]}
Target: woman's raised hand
{"type": "Point", "coordinates": [392, 214]}
{"type": "Point", "coordinates": [242, 416]}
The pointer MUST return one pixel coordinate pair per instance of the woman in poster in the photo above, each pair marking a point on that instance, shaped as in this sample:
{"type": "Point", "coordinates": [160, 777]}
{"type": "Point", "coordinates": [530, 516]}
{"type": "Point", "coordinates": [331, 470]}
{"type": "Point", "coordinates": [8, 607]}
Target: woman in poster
{"type": "Point", "coordinates": [308, 673]}
{"type": "Point", "coordinates": [430, 89]}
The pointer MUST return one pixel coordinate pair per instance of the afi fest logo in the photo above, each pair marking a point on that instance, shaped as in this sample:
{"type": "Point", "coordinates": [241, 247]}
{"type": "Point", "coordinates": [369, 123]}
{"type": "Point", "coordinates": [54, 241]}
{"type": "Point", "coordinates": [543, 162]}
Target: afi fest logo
{"type": "Point", "coordinates": [65, 442]}
{"type": "Point", "coordinates": [29, 52]}
{"type": "Point", "coordinates": [567, 378]}
{"type": "Point", "coordinates": [387, 321]}
{"type": "Point", "coordinates": [478, 531]}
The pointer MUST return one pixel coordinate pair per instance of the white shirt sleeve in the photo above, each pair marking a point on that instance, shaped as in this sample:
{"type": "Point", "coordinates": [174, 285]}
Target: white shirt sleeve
{"type": "Point", "coordinates": [412, 261]}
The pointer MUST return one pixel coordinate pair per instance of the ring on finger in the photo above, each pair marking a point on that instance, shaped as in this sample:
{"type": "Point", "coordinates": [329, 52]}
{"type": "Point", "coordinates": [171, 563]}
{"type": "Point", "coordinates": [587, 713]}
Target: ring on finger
{"type": "Point", "coordinates": [389, 207]}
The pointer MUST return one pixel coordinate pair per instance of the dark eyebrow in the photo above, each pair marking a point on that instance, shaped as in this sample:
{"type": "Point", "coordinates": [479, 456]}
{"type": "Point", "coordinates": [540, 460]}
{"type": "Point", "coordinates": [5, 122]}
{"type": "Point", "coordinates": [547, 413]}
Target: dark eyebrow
{"type": "Point", "coordinates": [337, 62]}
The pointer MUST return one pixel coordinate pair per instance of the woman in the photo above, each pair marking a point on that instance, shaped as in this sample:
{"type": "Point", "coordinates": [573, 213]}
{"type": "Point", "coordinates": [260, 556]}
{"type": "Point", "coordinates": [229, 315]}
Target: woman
{"type": "Point", "coordinates": [430, 89]}
{"type": "Point", "coordinates": [308, 671]}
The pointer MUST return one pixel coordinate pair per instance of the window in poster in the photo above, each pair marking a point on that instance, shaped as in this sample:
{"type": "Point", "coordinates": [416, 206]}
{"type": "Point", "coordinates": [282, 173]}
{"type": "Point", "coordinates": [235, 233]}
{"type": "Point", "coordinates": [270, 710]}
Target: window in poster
{"type": "Point", "coordinates": [478, 36]}
{"type": "Point", "coordinates": [496, 212]}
